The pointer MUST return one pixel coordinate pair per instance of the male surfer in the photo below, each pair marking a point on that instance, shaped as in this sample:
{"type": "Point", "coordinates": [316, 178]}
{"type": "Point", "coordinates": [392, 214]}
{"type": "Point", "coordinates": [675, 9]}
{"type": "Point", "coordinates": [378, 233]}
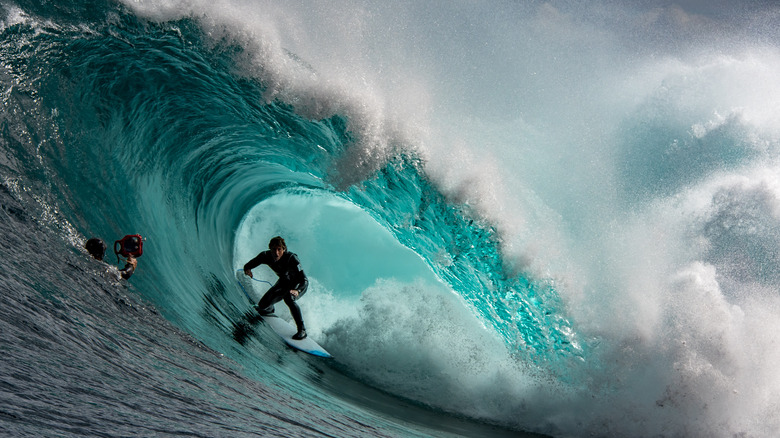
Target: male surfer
{"type": "Point", "coordinates": [292, 283]}
{"type": "Point", "coordinates": [97, 249]}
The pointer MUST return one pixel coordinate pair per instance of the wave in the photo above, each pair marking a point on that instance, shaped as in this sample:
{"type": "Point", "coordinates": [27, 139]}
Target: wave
{"type": "Point", "coordinates": [602, 235]}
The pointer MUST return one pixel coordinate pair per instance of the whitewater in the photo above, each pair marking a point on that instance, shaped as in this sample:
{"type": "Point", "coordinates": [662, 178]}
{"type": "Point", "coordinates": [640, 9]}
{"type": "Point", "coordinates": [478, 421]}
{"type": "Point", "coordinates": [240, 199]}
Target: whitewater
{"type": "Point", "coordinates": [517, 218]}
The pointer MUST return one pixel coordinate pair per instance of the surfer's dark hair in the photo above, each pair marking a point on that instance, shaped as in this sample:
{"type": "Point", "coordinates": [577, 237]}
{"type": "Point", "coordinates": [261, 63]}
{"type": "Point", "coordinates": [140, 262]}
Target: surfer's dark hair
{"type": "Point", "coordinates": [277, 242]}
{"type": "Point", "coordinates": [96, 247]}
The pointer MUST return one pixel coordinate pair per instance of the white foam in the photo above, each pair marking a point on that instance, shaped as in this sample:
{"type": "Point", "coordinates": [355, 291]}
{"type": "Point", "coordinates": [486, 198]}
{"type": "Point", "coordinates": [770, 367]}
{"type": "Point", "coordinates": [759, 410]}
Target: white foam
{"type": "Point", "coordinates": [418, 340]}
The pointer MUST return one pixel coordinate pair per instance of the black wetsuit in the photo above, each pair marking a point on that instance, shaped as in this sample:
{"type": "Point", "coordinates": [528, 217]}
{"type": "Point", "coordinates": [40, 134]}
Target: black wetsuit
{"type": "Point", "coordinates": [291, 277]}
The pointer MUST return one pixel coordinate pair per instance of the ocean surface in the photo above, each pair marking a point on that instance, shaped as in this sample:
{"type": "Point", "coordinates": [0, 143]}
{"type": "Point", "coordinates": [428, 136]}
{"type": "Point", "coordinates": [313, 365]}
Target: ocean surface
{"type": "Point", "coordinates": [517, 218]}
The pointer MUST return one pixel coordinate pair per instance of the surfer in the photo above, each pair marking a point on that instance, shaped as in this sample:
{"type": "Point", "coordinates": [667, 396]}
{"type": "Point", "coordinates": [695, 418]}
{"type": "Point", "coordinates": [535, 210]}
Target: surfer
{"type": "Point", "coordinates": [291, 286]}
{"type": "Point", "coordinates": [97, 249]}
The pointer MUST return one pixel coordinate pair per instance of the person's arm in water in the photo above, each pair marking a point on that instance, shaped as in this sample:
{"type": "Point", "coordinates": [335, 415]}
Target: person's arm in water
{"type": "Point", "coordinates": [129, 268]}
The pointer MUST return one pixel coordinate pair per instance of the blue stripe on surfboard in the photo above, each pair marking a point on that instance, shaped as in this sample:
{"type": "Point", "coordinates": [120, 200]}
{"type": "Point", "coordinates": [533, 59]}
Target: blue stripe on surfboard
{"type": "Point", "coordinates": [285, 330]}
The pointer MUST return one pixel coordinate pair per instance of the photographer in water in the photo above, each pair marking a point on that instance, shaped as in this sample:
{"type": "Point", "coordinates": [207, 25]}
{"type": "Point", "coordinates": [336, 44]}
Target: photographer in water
{"type": "Point", "coordinates": [97, 249]}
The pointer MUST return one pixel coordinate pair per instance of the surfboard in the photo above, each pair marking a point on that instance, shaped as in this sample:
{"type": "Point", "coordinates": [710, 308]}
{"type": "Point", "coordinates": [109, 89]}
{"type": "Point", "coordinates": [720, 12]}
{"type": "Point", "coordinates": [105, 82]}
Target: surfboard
{"type": "Point", "coordinates": [284, 329]}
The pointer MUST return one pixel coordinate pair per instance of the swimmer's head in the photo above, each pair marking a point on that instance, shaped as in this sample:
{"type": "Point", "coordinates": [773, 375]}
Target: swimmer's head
{"type": "Point", "coordinates": [96, 248]}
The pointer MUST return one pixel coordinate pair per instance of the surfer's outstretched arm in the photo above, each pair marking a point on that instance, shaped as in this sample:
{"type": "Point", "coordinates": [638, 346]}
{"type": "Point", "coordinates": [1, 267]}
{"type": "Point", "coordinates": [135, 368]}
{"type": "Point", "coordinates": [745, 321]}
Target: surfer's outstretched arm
{"type": "Point", "coordinates": [262, 258]}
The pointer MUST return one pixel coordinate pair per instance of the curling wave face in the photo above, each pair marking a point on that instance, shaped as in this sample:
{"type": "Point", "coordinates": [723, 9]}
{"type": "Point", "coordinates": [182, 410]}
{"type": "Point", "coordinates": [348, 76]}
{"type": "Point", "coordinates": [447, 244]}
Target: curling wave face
{"type": "Point", "coordinates": [145, 127]}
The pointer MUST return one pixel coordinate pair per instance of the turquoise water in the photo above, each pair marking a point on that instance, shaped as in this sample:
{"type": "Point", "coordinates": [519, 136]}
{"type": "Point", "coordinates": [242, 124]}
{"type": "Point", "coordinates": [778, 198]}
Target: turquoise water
{"type": "Point", "coordinates": [529, 248]}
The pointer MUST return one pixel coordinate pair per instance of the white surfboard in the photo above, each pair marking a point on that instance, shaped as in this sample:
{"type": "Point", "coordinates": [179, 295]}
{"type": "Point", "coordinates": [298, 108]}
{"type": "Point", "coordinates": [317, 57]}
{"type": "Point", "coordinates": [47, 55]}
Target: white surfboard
{"type": "Point", "coordinates": [284, 329]}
